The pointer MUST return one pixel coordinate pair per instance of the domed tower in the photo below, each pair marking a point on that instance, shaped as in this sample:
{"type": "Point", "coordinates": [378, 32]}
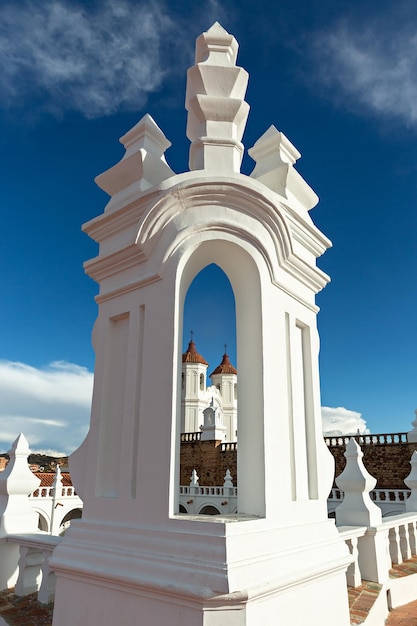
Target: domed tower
{"type": "Point", "coordinates": [193, 389]}
{"type": "Point", "coordinates": [224, 378]}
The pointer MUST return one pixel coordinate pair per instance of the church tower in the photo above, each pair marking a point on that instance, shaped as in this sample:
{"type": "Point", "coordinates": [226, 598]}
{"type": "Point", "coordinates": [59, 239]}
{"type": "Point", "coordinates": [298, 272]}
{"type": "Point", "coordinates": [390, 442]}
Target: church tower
{"type": "Point", "coordinates": [193, 389]}
{"type": "Point", "coordinates": [224, 378]}
{"type": "Point", "coordinates": [132, 558]}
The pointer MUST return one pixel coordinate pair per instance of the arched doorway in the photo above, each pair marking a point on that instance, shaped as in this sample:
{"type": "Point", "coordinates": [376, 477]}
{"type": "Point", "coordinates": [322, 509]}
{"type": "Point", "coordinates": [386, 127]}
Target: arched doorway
{"type": "Point", "coordinates": [66, 522]}
{"type": "Point", "coordinates": [209, 510]}
{"type": "Point", "coordinates": [210, 328]}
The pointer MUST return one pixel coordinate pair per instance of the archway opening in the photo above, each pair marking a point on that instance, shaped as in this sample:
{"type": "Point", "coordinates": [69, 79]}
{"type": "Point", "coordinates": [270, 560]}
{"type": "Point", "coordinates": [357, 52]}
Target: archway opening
{"type": "Point", "coordinates": [66, 522]}
{"type": "Point", "coordinates": [209, 510]}
{"type": "Point", "coordinates": [43, 523]}
{"type": "Point", "coordinates": [208, 376]}
{"type": "Point", "coordinates": [242, 270]}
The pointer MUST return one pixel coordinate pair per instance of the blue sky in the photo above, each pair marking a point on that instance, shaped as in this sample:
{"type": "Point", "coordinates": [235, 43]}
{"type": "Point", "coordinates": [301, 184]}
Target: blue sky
{"type": "Point", "coordinates": [338, 78]}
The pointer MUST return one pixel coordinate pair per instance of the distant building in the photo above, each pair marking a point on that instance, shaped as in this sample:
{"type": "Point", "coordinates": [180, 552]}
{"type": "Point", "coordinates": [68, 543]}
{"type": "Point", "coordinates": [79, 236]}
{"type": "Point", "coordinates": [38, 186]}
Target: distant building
{"type": "Point", "coordinates": [196, 396]}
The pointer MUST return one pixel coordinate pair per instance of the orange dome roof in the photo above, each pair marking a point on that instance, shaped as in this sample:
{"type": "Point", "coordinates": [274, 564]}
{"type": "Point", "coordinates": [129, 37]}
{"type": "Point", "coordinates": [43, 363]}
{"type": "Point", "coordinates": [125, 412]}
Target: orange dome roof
{"type": "Point", "coordinates": [225, 367]}
{"type": "Point", "coordinates": [191, 355]}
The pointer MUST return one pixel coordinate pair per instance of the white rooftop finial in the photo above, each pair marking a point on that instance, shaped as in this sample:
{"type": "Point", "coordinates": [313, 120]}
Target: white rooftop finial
{"type": "Point", "coordinates": [217, 111]}
{"type": "Point", "coordinates": [194, 479]}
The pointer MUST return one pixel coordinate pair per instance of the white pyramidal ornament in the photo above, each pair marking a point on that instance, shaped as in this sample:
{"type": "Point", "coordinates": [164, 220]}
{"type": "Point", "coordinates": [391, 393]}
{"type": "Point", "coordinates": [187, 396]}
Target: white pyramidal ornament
{"type": "Point", "coordinates": [411, 482]}
{"type": "Point", "coordinates": [357, 507]}
{"type": "Point", "coordinates": [228, 480]}
{"type": "Point", "coordinates": [17, 482]}
{"type": "Point", "coordinates": [143, 165]}
{"type": "Point", "coordinates": [217, 112]}
{"type": "Point", "coordinates": [275, 157]}
{"type": "Point", "coordinates": [194, 479]}
{"type": "Point", "coordinates": [412, 435]}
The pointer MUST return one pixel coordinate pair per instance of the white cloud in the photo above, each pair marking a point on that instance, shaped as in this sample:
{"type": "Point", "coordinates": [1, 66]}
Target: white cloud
{"type": "Point", "coordinates": [372, 66]}
{"type": "Point", "coordinates": [341, 421]}
{"type": "Point", "coordinates": [63, 55]}
{"type": "Point", "coordinates": [50, 405]}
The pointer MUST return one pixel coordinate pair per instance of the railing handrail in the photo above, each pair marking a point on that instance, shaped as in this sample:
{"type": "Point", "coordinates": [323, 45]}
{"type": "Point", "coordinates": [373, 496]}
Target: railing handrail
{"type": "Point", "coordinates": [213, 491]}
{"type": "Point", "coordinates": [229, 446]}
{"type": "Point", "coordinates": [34, 540]}
{"type": "Point", "coordinates": [376, 439]}
{"type": "Point", "coordinates": [186, 437]}
{"type": "Point", "coordinates": [400, 495]}
{"type": "Point", "coordinates": [48, 492]}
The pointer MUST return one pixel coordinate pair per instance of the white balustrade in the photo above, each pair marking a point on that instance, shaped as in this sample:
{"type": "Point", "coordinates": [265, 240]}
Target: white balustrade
{"type": "Point", "coordinates": [402, 532]}
{"type": "Point", "coordinates": [34, 572]}
{"type": "Point", "coordinates": [351, 535]}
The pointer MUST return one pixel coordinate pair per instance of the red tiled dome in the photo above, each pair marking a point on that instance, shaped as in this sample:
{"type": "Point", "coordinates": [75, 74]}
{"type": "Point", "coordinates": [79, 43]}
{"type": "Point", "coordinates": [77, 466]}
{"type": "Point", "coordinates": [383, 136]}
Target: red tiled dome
{"type": "Point", "coordinates": [191, 355]}
{"type": "Point", "coordinates": [225, 367]}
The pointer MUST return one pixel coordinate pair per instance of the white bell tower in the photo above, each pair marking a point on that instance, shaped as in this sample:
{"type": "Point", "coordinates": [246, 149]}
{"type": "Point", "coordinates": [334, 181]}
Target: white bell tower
{"type": "Point", "coordinates": [193, 389]}
{"type": "Point", "coordinates": [132, 559]}
{"type": "Point", "coordinates": [224, 378]}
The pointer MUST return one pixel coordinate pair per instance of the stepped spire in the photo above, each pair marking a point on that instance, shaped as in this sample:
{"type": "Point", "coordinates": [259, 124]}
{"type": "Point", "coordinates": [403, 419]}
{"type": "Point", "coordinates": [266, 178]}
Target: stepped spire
{"type": "Point", "coordinates": [215, 103]}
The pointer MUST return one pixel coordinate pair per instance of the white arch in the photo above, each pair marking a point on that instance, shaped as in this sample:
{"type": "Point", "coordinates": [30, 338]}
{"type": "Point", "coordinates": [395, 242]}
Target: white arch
{"type": "Point", "coordinates": [244, 275]}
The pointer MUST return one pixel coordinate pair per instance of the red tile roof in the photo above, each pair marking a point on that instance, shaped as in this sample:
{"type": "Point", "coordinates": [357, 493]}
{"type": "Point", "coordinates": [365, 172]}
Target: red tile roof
{"type": "Point", "coordinates": [225, 367]}
{"type": "Point", "coordinates": [191, 355]}
{"type": "Point", "coordinates": [47, 479]}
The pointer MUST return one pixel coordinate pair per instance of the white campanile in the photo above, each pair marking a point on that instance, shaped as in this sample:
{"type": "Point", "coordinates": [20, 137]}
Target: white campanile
{"type": "Point", "coordinates": [132, 558]}
{"type": "Point", "coordinates": [193, 389]}
{"type": "Point", "coordinates": [224, 378]}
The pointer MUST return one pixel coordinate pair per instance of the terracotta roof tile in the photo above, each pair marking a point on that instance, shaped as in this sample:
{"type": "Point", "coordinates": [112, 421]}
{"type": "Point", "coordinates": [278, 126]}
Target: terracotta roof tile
{"type": "Point", "coordinates": [47, 479]}
{"type": "Point", "coordinates": [191, 355]}
{"type": "Point", "coordinates": [225, 367]}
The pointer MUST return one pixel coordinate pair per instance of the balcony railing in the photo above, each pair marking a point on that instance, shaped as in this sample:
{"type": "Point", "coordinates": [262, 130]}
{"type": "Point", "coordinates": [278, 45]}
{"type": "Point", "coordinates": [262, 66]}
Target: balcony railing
{"type": "Point", "coordinates": [381, 439]}
{"type": "Point", "coordinates": [35, 574]}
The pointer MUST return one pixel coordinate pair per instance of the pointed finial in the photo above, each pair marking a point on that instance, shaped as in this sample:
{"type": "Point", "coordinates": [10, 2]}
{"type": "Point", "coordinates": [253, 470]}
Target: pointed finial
{"type": "Point", "coordinates": [194, 479]}
{"type": "Point", "coordinates": [412, 434]}
{"type": "Point", "coordinates": [143, 163]}
{"type": "Point", "coordinates": [228, 480]}
{"type": "Point", "coordinates": [225, 348]}
{"type": "Point", "coordinates": [58, 477]}
{"type": "Point", "coordinates": [411, 482]}
{"type": "Point", "coordinates": [192, 334]}
{"type": "Point", "coordinates": [217, 110]}
{"type": "Point", "coordinates": [357, 507]}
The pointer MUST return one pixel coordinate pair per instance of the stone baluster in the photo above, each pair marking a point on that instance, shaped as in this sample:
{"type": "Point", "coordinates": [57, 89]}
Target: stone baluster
{"type": "Point", "coordinates": [404, 542]}
{"type": "Point", "coordinates": [29, 578]}
{"type": "Point", "coordinates": [46, 591]}
{"type": "Point", "coordinates": [353, 574]}
{"type": "Point", "coordinates": [412, 537]}
{"type": "Point", "coordinates": [357, 509]}
{"type": "Point", "coordinates": [394, 545]}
